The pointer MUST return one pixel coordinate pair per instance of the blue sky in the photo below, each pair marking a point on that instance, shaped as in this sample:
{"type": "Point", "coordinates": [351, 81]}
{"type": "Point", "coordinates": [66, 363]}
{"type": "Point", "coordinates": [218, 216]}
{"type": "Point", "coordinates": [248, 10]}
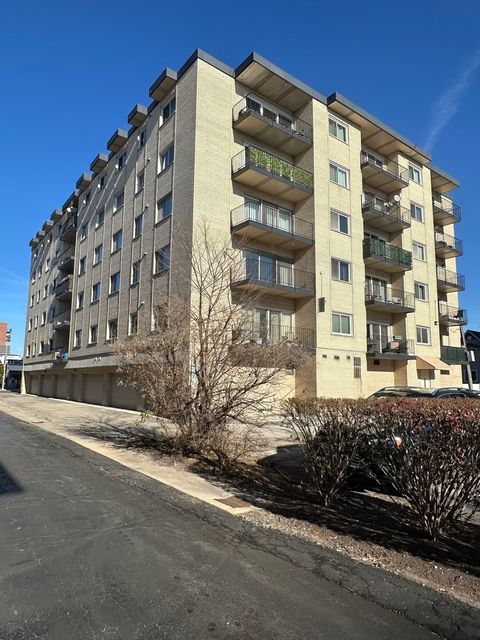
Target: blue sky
{"type": "Point", "coordinates": [70, 73]}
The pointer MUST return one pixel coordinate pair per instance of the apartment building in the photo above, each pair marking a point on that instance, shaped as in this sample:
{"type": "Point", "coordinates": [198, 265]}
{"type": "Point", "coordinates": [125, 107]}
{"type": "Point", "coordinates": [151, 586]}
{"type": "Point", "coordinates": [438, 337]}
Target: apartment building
{"type": "Point", "coordinates": [345, 225]}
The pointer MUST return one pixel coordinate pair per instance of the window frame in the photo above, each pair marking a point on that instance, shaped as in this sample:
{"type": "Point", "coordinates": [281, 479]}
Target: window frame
{"type": "Point", "coordinates": [425, 287]}
{"type": "Point", "coordinates": [428, 333]}
{"type": "Point", "coordinates": [339, 167]}
{"type": "Point", "coordinates": [117, 276]}
{"type": "Point", "coordinates": [412, 168]}
{"type": "Point", "coordinates": [421, 208]}
{"type": "Point", "coordinates": [165, 154]}
{"type": "Point", "coordinates": [136, 269]}
{"type": "Point", "coordinates": [342, 314]}
{"type": "Point", "coordinates": [338, 123]}
{"type": "Point", "coordinates": [167, 197]}
{"type": "Point", "coordinates": [117, 234]}
{"type": "Point", "coordinates": [97, 259]}
{"type": "Point", "coordinates": [96, 292]}
{"type": "Point", "coordinates": [158, 253]}
{"type": "Point", "coordinates": [336, 274]}
{"type": "Point", "coordinates": [339, 214]}
{"type": "Point", "coordinates": [416, 244]}
{"type": "Point", "coordinates": [116, 206]}
{"type": "Point", "coordinates": [136, 233]}
{"type": "Point", "coordinates": [93, 333]}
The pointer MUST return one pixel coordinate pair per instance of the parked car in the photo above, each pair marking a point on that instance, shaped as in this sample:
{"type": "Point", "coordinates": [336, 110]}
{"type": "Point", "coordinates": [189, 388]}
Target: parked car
{"type": "Point", "coordinates": [420, 392]}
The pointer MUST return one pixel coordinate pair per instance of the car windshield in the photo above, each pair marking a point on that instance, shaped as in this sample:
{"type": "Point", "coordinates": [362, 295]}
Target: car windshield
{"type": "Point", "coordinates": [405, 393]}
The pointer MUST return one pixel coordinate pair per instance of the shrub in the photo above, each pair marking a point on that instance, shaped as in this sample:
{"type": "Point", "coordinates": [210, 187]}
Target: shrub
{"type": "Point", "coordinates": [330, 433]}
{"type": "Point", "coordinates": [429, 450]}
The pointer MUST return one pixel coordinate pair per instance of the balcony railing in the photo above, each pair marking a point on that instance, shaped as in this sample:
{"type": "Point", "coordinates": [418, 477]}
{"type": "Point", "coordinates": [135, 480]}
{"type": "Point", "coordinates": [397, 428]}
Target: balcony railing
{"type": "Point", "coordinates": [61, 320]}
{"type": "Point", "coordinates": [445, 211]}
{"type": "Point", "coordinates": [390, 299]}
{"type": "Point", "coordinates": [273, 219]}
{"type": "Point", "coordinates": [450, 279]}
{"type": "Point", "coordinates": [267, 162]}
{"type": "Point", "coordinates": [265, 273]}
{"type": "Point", "coordinates": [394, 215]}
{"type": "Point", "coordinates": [68, 231]}
{"type": "Point", "coordinates": [276, 334]}
{"type": "Point", "coordinates": [65, 261]}
{"type": "Point", "coordinates": [271, 115]}
{"type": "Point", "coordinates": [373, 248]}
{"type": "Point", "coordinates": [453, 355]}
{"type": "Point", "coordinates": [64, 288]}
{"type": "Point", "coordinates": [390, 347]}
{"type": "Point", "coordinates": [448, 244]}
{"type": "Point", "coordinates": [392, 172]}
{"type": "Point", "coordinates": [451, 316]}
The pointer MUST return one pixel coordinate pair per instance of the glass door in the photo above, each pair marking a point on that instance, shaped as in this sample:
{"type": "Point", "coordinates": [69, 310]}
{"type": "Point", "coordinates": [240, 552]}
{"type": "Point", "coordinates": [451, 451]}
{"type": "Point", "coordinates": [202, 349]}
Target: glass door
{"type": "Point", "coordinates": [251, 210]}
{"type": "Point", "coordinates": [378, 336]}
{"type": "Point", "coordinates": [284, 273]}
{"type": "Point", "coordinates": [376, 288]}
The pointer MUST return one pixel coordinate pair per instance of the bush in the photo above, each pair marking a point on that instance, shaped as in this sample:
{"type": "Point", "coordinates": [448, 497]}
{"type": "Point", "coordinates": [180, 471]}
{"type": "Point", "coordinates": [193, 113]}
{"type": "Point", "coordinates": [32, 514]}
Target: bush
{"type": "Point", "coordinates": [330, 433]}
{"type": "Point", "coordinates": [429, 450]}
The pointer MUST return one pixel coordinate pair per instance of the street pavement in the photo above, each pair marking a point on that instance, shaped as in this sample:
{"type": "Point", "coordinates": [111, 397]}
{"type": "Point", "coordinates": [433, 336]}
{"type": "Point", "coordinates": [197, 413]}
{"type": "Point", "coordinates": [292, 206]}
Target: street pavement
{"type": "Point", "coordinates": [92, 550]}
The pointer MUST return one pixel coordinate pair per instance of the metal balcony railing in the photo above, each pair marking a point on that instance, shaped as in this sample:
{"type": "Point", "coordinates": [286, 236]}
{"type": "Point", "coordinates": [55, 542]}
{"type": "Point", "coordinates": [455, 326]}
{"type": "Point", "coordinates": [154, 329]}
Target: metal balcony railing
{"type": "Point", "coordinates": [271, 274]}
{"type": "Point", "coordinates": [271, 114]}
{"type": "Point", "coordinates": [384, 208]}
{"type": "Point", "coordinates": [61, 319]}
{"type": "Point", "coordinates": [254, 157]}
{"type": "Point", "coordinates": [450, 278]}
{"type": "Point", "coordinates": [388, 295]}
{"type": "Point", "coordinates": [390, 346]}
{"type": "Point", "coordinates": [386, 251]}
{"type": "Point", "coordinates": [276, 219]}
{"type": "Point", "coordinates": [453, 355]}
{"type": "Point", "coordinates": [443, 240]}
{"type": "Point", "coordinates": [65, 257]}
{"type": "Point", "coordinates": [65, 286]}
{"type": "Point", "coordinates": [442, 203]}
{"type": "Point", "coordinates": [385, 165]}
{"type": "Point", "coordinates": [452, 315]}
{"type": "Point", "coordinates": [265, 335]}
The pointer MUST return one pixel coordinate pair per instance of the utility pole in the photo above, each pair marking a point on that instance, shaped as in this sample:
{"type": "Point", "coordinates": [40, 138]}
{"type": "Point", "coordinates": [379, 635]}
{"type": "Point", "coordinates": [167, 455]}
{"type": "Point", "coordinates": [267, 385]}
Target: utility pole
{"type": "Point", "coordinates": [7, 340]}
{"type": "Point", "coordinates": [468, 366]}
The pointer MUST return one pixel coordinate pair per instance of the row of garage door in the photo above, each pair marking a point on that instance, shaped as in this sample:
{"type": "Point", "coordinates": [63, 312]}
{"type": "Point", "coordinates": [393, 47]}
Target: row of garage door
{"type": "Point", "coordinates": [95, 389]}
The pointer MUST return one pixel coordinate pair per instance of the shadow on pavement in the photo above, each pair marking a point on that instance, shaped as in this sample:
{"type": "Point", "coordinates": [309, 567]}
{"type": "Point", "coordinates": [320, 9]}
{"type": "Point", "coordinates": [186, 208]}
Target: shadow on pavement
{"type": "Point", "coordinates": [8, 484]}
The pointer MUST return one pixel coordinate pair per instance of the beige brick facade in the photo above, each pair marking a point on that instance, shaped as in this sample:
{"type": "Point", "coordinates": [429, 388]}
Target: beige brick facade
{"type": "Point", "coordinates": [267, 161]}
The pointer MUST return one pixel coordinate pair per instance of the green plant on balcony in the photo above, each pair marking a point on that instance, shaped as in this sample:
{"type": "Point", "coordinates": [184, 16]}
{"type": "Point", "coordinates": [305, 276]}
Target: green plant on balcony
{"type": "Point", "coordinates": [280, 167]}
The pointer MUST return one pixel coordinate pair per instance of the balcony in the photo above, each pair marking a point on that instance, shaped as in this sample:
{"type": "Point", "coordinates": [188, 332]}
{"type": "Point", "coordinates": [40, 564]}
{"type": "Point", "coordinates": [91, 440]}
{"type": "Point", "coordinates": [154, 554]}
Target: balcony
{"type": "Point", "coordinates": [453, 355]}
{"type": "Point", "coordinates": [271, 278]}
{"type": "Point", "coordinates": [386, 257]}
{"type": "Point", "coordinates": [255, 334]}
{"type": "Point", "coordinates": [449, 316]}
{"type": "Point", "coordinates": [64, 289]}
{"type": "Point", "coordinates": [270, 174]}
{"type": "Point", "coordinates": [387, 216]}
{"type": "Point", "coordinates": [271, 225]}
{"type": "Point", "coordinates": [66, 261]}
{"type": "Point", "coordinates": [68, 231]}
{"type": "Point", "coordinates": [259, 119]}
{"type": "Point", "coordinates": [61, 320]}
{"type": "Point", "coordinates": [448, 281]}
{"type": "Point", "coordinates": [385, 174]}
{"type": "Point", "coordinates": [390, 349]}
{"type": "Point", "coordinates": [447, 246]}
{"type": "Point", "coordinates": [445, 211]}
{"type": "Point", "coordinates": [384, 298]}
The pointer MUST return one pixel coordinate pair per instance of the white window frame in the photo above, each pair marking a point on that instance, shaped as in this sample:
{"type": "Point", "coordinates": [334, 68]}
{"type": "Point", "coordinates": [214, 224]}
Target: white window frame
{"type": "Point", "coordinates": [99, 249]}
{"type": "Point", "coordinates": [115, 235]}
{"type": "Point", "coordinates": [416, 245]}
{"type": "Point", "coordinates": [98, 221]}
{"type": "Point", "coordinates": [119, 200]}
{"type": "Point", "coordinates": [136, 268]}
{"type": "Point", "coordinates": [340, 123]}
{"type": "Point", "coordinates": [93, 333]}
{"type": "Point", "coordinates": [140, 181]}
{"type": "Point", "coordinates": [114, 275]}
{"type": "Point", "coordinates": [164, 156]}
{"type": "Point", "coordinates": [139, 219]}
{"type": "Point", "coordinates": [335, 265]}
{"type": "Point", "coordinates": [428, 332]}
{"type": "Point", "coordinates": [415, 206]}
{"type": "Point", "coordinates": [334, 213]}
{"type": "Point", "coordinates": [412, 168]}
{"type": "Point", "coordinates": [109, 329]}
{"type": "Point", "coordinates": [84, 232]}
{"type": "Point", "coordinates": [341, 314]}
{"type": "Point", "coordinates": [78, 338]}
{"type": "Point", "coordinates": [132, 316]}
{"type": "Point", "coordinates": [80, 300]}
{"type": "Point", "coordinates": [96, 292]}
{"type": "Point", "coordinates": [338, 167]}
{"type": "Point", "coordinates": [425, 288]}
{"type": "Point", "coordinates": [161, 217]}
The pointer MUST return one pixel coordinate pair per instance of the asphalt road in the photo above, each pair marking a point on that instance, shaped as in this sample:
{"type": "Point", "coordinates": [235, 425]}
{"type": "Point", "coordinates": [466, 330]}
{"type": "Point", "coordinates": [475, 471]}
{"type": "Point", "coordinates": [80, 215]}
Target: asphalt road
{"type": "Point", "coordinates": [91, 550]}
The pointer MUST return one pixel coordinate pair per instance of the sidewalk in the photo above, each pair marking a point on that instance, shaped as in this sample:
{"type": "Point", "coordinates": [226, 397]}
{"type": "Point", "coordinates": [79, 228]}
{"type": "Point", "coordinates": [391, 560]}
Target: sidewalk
{"type": "Point", "coordinates": [74, 421]}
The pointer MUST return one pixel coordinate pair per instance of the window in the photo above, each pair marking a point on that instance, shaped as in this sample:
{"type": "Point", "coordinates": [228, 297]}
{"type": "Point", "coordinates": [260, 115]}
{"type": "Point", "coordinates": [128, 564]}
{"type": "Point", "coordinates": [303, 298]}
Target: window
{"type": "Point", "coordinates": [341, 270]}
{"type": "Point", "coordinates": [168, 110]}
{"type": "Point", "coordinates": [133, 323]}
{"type": "Point", "coordinates": [136, 268]}
{"type": "Point", "coordinates": [96, 292]}
{"type": "Point", "coordinates": [34, 348]}
{"type": "Point", "coordinates": [138, 226]}
{"type": "Point", "coordinates": [82, 266]}
{"type": "Point", "coordinates": [50, 344]}
{"type": "Point", "coordinates": [93, 334]}
{"type": "Point", "coordinates": [337, 129]}
{"type": "Point", "coordinates": [342, 324]}
{"type": "Point", "coordinates": [119, 200]}
{"type": "Point", "coordinates": [122, 159]}
{"type": "Point", "coordinates": [45, 291]}
{"type": "Point", "coordinates": [35, 322]}
{"type": "Point", "coordinates": [98, 254]}
{"type": "Point", "coordinates": [84, 231]}
{"type": "Point", "coordinates": [44, 318]}
{"type": "Point", "coordinates": [340, 222]}
{"type": "Point", "coordinates": [112, 329]}
{"type": "Point", "coordinates": [339, 175]}
{"type": "Point", "coordinates": [415, 173]}
{"type": "Point", "coordinates": [423, 335]}
{"type": "Point", "coordinates": [117, 239]}
{"type": "Point", "coordinates": [42, 346]}
{"type": "Point", "coordinates": [115, 282]}
{"type": "Point", "coordinates": [103, 181]}
{"type": "Point", "coordinates": [30, 324]}
{"type": "Point", "coordinates": [162, 259]}
{"type": "Point", "coordinates": [164, 207]}
{"type": "Point", "coordinates": [159, 317]}
{"type": "Point", "coordinates": [142, 138]}
{"type": "Point", "coordinates": [421, 291]}
{"type": "Point", "coordinates": [47, 265]}
{"type": "Point", "coordinates": [38, 297]}
{"type": "Point", "coordinates": [419, 251]}
{"type": "Point", "coordinates": [87, 198]}
{"type": "Point", "coordinates": [166, 158]}
{"type": "Point", "coordinates": [29, 350]}
{"type": "Point", "coordinates": [417, 212]}
{"type": "Point", "coordinates": [32, 300]}
{"type": "Point", "coordinates": [99, 218]}
{"type": "Point", "coordinates": [140, 181]}
{"type": "Point", "coordinates": [80, 297]}
{"type": "Point", "coordinates": [78, 338]}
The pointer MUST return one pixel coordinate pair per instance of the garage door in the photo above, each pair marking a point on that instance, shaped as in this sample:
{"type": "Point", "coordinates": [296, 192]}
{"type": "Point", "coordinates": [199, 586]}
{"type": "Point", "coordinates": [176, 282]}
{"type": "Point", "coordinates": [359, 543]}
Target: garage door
{"type": "Point", "coordinates": [62, 386]}
{"type": "Point", "coordinates": [94, 391]}
{"type": "Point", "coordinates": [123, 397]}
{"type": "Point", "coordinates": [47, 386]}
{"type": "Point", "coordinates": [33, 384]}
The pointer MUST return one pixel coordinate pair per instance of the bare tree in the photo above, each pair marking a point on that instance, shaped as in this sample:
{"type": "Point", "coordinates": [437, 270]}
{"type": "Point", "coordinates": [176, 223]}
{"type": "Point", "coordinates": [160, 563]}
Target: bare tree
{"type": "Point", "coordinates": [206, 366]}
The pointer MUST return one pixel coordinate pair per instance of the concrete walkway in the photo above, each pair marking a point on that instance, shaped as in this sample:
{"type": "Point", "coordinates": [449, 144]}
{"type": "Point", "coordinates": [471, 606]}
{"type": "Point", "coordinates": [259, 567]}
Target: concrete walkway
{"type": "Point", "coordinates": [84, 423]}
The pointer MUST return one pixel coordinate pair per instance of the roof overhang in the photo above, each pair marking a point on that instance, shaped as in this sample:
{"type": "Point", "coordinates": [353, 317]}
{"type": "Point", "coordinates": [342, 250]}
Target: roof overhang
{"type": "Point", "coordinates": [83, 182]}
{"type": "Point", "coordinates": [163, 84]}
{"type": "Point", "coordinates": [48, 225]}
{"type": "Point", "coordinates": [276, 85]}
{"type": "Point", "coordinates": [117, 140]}
{"type": "Point", "coordinates": [431, 363]}
{"type": "Point", "coordinates": [441, 181]}
{"type": "Point", "coordinates": [138, 115]}
{"type": "Point", "coordinates": [72, 200]}
{"type": "Point", "coordinates": [376, 134]}
{"type": "Point", "coordinates": [56, 215]}
{"type": "Point", "coordinates": [99, 163]}
{"type": "Point", "coordinates": [33, 242]}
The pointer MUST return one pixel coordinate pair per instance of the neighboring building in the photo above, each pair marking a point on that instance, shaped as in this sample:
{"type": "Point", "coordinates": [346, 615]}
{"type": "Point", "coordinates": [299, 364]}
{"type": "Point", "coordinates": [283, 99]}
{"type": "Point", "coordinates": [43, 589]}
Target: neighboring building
{"type": "Point", "coordinates": [472, 340]}
{"type": "Point", "coordinates": [4, 346]}
{"type": "Point", "coordinates": [350, 233]}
